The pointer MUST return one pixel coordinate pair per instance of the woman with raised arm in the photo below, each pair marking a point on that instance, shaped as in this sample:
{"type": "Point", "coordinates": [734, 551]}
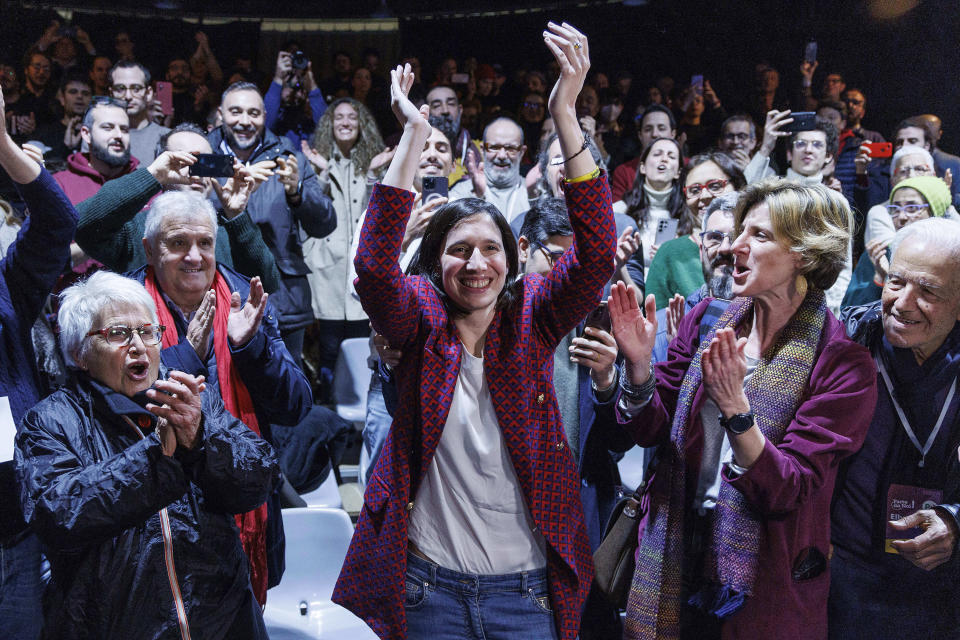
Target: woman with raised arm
{"type": "Point", "coordinates": [472, 524]}
{"type": "Point", "coordinates": [752, 422]}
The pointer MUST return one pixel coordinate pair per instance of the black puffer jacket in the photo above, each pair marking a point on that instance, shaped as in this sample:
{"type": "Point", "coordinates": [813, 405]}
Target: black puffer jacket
{"type": "Point", "coordinates": [99, 497]}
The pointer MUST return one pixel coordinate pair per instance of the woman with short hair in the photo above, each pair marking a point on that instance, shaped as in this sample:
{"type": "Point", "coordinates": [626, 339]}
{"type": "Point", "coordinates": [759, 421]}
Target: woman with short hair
{"type": "Point", "coordinates": [129, 476]}
{"type": "Point", "coordinates": [752, 422]}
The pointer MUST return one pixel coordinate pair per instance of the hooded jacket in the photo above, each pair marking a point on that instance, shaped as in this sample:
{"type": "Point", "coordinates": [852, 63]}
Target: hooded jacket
{"type": "Point", "coordinates": [80, 180]}
{"type": "Point", "coordinates": [140, 544]}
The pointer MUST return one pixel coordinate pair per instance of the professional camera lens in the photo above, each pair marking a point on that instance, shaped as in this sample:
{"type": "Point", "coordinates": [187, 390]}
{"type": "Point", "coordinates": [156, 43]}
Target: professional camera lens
{"type": "Point", "coordinates": [300, 60]}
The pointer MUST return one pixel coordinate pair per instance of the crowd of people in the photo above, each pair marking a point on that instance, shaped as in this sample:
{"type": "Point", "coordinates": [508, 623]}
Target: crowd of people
{"type": "Point", "coordinates": [552, 267]}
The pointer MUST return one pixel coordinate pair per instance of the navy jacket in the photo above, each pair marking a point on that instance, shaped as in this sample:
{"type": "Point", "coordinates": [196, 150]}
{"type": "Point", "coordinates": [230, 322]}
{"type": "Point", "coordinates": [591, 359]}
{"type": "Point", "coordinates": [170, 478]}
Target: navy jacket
{"type": "Point", "coordinates": [27, 275]}
{"type": "Point", "coordinates": [282, 226]}
{"type": "Point", "coordinates": [279, 389]}
{"type": "Point", "coordinates": [96, 493]}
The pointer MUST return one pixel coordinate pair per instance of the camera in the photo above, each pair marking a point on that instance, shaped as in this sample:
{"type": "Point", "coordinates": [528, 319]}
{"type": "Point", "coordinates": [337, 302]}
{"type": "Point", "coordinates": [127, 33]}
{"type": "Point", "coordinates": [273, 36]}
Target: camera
{"type": "Point", "coordinates": [299, 60]}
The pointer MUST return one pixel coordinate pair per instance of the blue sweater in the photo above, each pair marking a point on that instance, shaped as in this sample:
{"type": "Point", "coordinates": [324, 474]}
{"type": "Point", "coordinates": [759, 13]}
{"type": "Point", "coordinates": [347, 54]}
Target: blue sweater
{"type": "Point", "coordinates": [27, 275]}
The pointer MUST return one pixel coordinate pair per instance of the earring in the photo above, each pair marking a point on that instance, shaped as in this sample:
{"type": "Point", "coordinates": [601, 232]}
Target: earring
{"type": "Point", "coordinates": [801, 285]}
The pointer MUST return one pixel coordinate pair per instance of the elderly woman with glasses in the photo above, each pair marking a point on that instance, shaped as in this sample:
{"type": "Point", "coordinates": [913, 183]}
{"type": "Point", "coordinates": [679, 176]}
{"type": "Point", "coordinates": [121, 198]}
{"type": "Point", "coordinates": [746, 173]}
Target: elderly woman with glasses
{"type": "Point", "coordinates": [757, 404]}
{"type": "Point", "coordinates": [911, 199]}
{"type": "Point", "coordinates": [129, 476]}
{"type": "Point", "coordinates": [675, 269]}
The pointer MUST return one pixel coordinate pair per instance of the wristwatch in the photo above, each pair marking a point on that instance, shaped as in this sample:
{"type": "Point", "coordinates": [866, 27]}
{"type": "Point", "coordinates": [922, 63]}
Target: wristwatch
{"type": "Point", "coordinates": [737, 423]}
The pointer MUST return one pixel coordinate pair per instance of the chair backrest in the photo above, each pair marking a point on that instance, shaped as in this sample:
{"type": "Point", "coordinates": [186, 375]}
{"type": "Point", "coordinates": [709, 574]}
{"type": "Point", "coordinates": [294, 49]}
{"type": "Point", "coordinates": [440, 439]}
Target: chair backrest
{"type": "Point", "coordinates": [351, 379]}
{"type": "Point", "coordinates": [317, 541]}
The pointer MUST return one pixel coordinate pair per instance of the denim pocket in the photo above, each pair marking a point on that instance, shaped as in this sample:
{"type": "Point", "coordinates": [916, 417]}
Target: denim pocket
{"type": "Point", "coordinates": [416, 593]}
{"type": "Point", "coordinates": [540, 599]}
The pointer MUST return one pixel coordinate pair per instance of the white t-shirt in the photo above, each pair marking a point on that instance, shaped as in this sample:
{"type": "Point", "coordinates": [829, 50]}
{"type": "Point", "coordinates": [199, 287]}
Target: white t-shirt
{"type": "Point", "coordinates": [469, 514]}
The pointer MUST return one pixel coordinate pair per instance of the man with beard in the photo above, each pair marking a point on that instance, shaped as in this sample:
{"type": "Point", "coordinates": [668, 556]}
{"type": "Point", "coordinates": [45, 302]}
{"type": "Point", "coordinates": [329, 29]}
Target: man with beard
{"type": "Point", "coordinates": [716, 259]}
{"type": "Point", "coordinates": [185, 108]}
{"type": "Point", "coordinates": [63, 137]}
{"type": "Point", "coordinates": [497, 180]}
{"type": "Point", "coordinates": [289, 203]}
{"type": "Point", "coordinates": [130, 81]}
{"type": "Point", "coordinates": [445, 114]}
{"type": "Point", "coordinates": [106, 131]}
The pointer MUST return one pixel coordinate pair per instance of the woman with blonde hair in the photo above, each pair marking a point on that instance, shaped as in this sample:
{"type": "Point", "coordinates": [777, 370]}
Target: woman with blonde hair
{"type": "Point", "coordinates": [347, 155]}
{"type": "Point", "coordinates": [752, 422]}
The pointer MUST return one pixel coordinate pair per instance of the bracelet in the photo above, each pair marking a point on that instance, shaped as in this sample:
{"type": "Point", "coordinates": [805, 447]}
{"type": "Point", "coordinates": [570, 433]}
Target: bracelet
{"type": "Point", "coordinates": [639, 393]}
{"type": "Point", "coordinates": [593, 175]}
{"type": "Point", "coordinates": [736, 469]}
{"type": "Point", "coordinates": [566, 160]}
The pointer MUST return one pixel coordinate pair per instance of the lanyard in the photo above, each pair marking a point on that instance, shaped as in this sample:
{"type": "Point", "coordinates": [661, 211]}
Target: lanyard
{"type": "Point", "coordinates": [903, 418]}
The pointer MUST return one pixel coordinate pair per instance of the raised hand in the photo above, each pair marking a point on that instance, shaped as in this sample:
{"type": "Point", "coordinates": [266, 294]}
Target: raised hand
{"type": "Point", "coordinates": [244, 320]}
{"type": "Point", "coordinates": [477, 176]}
{"type": "Point", "coordinates": [627, 244]}
{"type": "Point", "coordinates": [34, 153]}
{"type": "Point", "coordinates": [177, 402]}
{"type": "Point", "coordinates": [877, 252]}
{"type": "Point", "coordinates": [288, 173]}
{"type": "Point", "coordinates": [724, 367]}
{"type": "Point", "coordinates": [172, 167]}
{"type": "Point", "coordinates": [235, 192]}
{"type": "Point", "coordinates": [198, 331]}
{"type": "Point", "coordinates": [676, 309]}
{"type": "Point", "coordinates": [773, 129]}
{"type": "Point", "coordinates": [401, 79]}
{"type": "Point", "coordinates": [862, 160]}
{"type": "Point", "coordinates": [320, 164]}
{"type": "Point", "coordinates": [381, 160]}
{"type": "Point", "coordinates": [419, 219]}
{"type": "Point", "coordinates": [572, 52]}
{"type": "Point", "coordinates": [635, 335]}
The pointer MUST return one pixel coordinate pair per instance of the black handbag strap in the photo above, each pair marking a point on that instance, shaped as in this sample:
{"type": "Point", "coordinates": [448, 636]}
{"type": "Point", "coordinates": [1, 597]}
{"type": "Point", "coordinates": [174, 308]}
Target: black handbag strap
{"type": "Point", "coordinates": [644, 485]}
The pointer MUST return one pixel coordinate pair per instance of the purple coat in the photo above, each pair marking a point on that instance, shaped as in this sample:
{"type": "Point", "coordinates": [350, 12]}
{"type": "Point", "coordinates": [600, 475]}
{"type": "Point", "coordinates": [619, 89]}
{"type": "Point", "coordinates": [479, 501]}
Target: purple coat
{"type": "Point", "coordinates": [791, 483]}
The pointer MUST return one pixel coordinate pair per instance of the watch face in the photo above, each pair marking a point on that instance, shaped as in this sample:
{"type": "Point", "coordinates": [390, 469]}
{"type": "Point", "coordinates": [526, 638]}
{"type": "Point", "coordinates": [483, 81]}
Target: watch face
{"type": "Point", "coordinates": [738, 423]}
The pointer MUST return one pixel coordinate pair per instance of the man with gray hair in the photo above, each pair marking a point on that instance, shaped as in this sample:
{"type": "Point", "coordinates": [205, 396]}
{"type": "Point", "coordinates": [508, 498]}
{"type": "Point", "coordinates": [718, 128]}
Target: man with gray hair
{"type": "Point", "coordinates": [218, 319]}
{"type": "Point", "coordinates": [895, 572]}
{"type": "Point", "coordinates": [497, 179]}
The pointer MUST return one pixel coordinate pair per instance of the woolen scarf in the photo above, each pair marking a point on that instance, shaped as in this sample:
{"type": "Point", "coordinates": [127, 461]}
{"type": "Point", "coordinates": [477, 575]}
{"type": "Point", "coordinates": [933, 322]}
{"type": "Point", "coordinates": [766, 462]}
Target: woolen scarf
{"type": "Point", "coordinates": [732, 557]}
{"type": "Point", "coordinates": [236, 400]}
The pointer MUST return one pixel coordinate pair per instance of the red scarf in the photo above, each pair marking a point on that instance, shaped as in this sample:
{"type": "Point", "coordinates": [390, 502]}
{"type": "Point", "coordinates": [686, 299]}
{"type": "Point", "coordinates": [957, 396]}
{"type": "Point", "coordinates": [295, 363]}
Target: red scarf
{"type": "Point", "coordinates": [236, 399]}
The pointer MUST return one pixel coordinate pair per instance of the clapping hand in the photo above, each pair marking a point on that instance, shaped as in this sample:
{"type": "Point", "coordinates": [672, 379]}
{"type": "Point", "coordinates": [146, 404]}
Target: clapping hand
{"type": "Point", "coordinates": [244, 319]}
{"type": "Point", "coordinates": [627, 244]}
{"type": "Point", "coordinates": [177, 403]}
{"type": "Point", "coordinates": [724, 367]}
{"type": "Point", "coordinates": [235, 192]}
{"type": "Point", "coordinates": [676, 309]}
{"type": "Point", "coordinates": [634, 333]}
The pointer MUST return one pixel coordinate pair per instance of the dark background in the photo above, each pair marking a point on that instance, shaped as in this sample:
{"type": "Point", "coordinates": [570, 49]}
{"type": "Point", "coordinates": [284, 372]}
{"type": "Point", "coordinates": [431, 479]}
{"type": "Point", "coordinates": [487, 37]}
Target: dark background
{"type": "Point", "coordinates": [902, 53]}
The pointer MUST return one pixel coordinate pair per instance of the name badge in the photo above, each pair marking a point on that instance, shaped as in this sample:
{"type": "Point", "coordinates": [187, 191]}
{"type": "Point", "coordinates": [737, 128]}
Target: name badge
{"type": "Point", "coordinates": [904, 500]}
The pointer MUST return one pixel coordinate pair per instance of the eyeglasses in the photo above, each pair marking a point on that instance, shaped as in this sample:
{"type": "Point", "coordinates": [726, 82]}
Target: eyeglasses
{"type": "Point", "coordinates": [134, 89]}
{"type": "Point", "coordinates": [121, 336]}
{"type": "Point", "coordinates": [511, 149]}
{"type": "Point", "coordinates": [916, 170]}
{"type": "Point", "coordinates": [551, 256]}
{"type": "Point", "coordinates": [737, 137]}
{"type": "Point", "coordinates": [711, 239]}
{"type": "Point", "coordinates": [713, 186]}
{"type": "Point", "coordinates": [912, 211]}
{"type": "Point", "coordinates": [533, 105]}
{"type": "Point", "coordinates": [819, 145]}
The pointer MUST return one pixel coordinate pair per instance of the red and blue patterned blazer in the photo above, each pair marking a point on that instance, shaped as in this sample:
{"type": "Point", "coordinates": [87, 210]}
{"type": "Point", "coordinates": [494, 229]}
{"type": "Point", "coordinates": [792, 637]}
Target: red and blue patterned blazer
{"type": "Point", "coordinates": [518, 364]}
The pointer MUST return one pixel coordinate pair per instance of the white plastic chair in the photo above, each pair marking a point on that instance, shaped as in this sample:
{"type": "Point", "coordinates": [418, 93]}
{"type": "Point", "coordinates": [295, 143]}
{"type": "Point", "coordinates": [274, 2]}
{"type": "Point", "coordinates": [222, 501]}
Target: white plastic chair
{"type": "Point", "coordinates": [351, 380]}
{"type": "Point", "coordinates": [300, 607]}
{"type": "Point", "coordinates": [326, 495]}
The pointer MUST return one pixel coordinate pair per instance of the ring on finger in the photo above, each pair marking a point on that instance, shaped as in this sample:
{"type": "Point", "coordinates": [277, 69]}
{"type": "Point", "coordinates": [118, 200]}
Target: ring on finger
{"type": "Point", "coordinates": [577, 45]}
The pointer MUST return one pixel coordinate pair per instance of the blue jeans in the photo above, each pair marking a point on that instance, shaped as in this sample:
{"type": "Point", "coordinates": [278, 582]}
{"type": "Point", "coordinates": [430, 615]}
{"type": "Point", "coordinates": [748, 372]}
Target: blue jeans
{"type": "Point", "coordinates": [375, 430]}
{"type": "Point", "coordinates": [21, 590]}
{"type": "Point", "coordinates": [442, 604]}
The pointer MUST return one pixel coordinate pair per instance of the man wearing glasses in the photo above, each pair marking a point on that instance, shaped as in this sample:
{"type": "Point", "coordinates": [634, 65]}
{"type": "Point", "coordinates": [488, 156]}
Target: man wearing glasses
{"type": "Point", "coordinates": [497, 180]}
{"type": "Point", "coordinates": [738, 139]}
{"type": "Point", "coordinates": [130, 81]}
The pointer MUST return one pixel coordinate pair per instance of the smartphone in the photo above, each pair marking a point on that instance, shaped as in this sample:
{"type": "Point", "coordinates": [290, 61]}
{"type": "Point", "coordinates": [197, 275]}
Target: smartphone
{"type": "Point", "coordinates": [697, 83]}
{"type": "Point", "coordinates": [666, 230]}
{"type": "Point", "coordinates": [164, 92]}
{"type": "Point", "coordinates": [802, 121]}
{"type": "Point", "coordinates": [810, 52]}
{"type": "Point", "coordinates": [880, 149]}
{"type": "Point", "coordinates": [433, 187]}
{"type": "Point", "coordinates": [212, 165]}
{"type": "Point", "coordinates": [599, 317]}
{"type": "Point", "coordinates": [460, 78]}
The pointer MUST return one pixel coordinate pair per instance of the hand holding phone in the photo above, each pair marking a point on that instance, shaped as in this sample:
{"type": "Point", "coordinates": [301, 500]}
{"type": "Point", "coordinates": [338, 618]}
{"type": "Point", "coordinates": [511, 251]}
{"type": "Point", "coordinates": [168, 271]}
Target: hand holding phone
{"type": "Point", "coordinates": [212, 165]}
{"type": "Point", "coordinates": [879, 149]}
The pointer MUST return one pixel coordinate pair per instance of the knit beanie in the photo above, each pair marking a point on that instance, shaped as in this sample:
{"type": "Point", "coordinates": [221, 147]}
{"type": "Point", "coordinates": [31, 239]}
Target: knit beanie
{"type": "Point", "coordinates": [934, 190]}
